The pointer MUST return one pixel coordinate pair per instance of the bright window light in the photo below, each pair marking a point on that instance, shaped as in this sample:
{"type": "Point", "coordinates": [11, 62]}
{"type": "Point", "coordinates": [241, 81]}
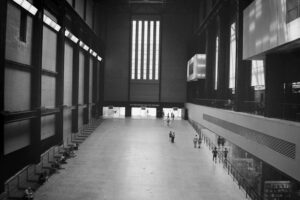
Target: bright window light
{"type": "Point", "coordinates": [145, 49]}
{"type": "Point", "coordinates": [216, 63]}
{"type": "Point", "coordinates": [157, 50]}
{"type": "Point", "coordinates": [84, 46]}
{"type": "Point", "coordinates": [27, 6]}
{"type": "Point", "coordinates": [258, 74]}
{"type": "Point", "coordinates": [151, 51]}
{"type": "Point", "coordinates": [232, 57]}
{"type": "Point", "coordinates": [133, 49]}
{"type": "Point", "coordinates": [99, 58]}
{"type": "Point", "coordinates": [139, 50]}
{"type": "Point", "coordinates": [51, 23]}
{"type": "Point", "coordinates": [94, 54]}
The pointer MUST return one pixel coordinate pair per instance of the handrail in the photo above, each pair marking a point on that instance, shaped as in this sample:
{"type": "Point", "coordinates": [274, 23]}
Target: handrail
{"type": "Point", "coordinates": [241, 180]}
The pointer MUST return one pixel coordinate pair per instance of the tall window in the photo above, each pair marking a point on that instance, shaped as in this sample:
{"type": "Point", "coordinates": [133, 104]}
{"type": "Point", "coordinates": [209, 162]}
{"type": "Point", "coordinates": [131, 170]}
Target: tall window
{"type": "Point", "coordinates": [232, 63]}
{"type": "Point", "coordinates": [216, 63]}
{"type": "Point", "coordinates": [292, 10]}
{"type": "Point", "coordinates": [145, 50]}
{"type": "Point", "coordinates": [258, 75]}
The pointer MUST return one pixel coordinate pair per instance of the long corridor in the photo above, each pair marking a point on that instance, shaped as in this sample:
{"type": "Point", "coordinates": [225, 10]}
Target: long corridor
{"type": "Point", "coordinates": [132, 159]}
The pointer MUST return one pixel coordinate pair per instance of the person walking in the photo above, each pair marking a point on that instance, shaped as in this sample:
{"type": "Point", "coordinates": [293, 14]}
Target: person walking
{"type": "Point", "coordinates": [195, 141]}
{"type": "Point", "coordinates": [170, 136]}
{"type": "Point", "coordinates": [173, 137]}
{"type": "Point", "coordinates": [215, 153]}
{"type": "Point", "coordinates": [199, 142]}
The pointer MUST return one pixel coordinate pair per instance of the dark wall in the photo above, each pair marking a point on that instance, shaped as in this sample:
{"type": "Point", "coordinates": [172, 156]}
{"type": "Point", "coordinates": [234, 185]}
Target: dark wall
{"type": "Point", "coordinates": [176, 29]}
{"type": "Point", "coordinates": [117, 54]}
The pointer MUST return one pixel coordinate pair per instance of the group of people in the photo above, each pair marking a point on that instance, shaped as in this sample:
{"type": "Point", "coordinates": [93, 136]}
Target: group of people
{"type": "Point", "coordinates": [215, 154]}
{"type": "Point", "coordinates": [198, 141]}
{"type": "Point", "coordinates": [172, 136]}
{"type": "Point", "coordinates": [28, 194]}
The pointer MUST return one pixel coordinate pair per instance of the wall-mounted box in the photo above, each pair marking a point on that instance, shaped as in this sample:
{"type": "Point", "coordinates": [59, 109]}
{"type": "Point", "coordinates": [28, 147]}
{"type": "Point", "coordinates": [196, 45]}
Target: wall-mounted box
{"type": "Point", "coordinates": [196, 67]}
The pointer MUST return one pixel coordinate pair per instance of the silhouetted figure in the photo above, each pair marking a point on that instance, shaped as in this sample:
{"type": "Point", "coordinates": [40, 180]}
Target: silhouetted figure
{"type": "Point", "coordinates": [43, 178]}
{"type": "Point", "coordinates": [195, 141]}
{"type": "Point", "coordinates": [215, 153]}
{"type": "Point", "coordinates": [28, 194]}
{"type": "Point", "coordinates": [199, 142]}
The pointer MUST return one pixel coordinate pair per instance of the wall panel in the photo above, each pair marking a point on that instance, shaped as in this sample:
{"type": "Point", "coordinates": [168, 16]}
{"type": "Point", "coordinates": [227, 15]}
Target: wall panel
{"type": "Point", "coordinates": [117, 57]}
{"type": "Point", "coordinates": [81, 78]}
{"type": "Point", "coordinates": [68, 74]}
{"type": "Point", "coordinates": [80, 117]}
{"type": "Point", "coordinates": [17, 90]}
{"type": "Point", "coordinates": [16, 136]}
{"type": "Point", "coordinates": [89, 13]}
{"type": "Point", "coordinates": [49, 49]}
{"type": "Point", "coordinates": [79, 7]}
{"type": "Point", "coordinates": [48, 91]}
{"type": "Point", "coordinates": [48, 126]}
{"type": "Point", "coordinates": [17, 50]}
{"type": "Point", "coordinates": [176, 30]}
{"type": "Point", "coordinates": [67, 126]}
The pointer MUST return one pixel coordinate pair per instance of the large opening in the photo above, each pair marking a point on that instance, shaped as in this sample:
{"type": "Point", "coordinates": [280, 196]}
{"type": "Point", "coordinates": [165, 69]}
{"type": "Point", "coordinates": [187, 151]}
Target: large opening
{"type": "Point", "coordinates": [177, 112]}
{"type": "Point", "coordinates": [113, 112]}
{"type": "Point", "coordinates": [143, 113]}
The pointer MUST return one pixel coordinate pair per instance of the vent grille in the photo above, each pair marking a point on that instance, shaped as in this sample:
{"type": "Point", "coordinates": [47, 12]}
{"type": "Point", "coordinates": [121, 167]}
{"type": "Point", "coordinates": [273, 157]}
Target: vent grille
{"type": "Point", "coordinates": [281, 146]}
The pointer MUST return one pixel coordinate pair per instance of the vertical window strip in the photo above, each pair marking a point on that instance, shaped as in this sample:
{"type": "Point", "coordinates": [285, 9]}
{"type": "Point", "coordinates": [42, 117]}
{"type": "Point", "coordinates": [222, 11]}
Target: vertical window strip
{"type": "Point", "coordinates": [139, 50]}
{"type": "Point", "coordinates": [133, 50]}
{"type": "Point", "coordinates": [258, 75]}
{"type": "Point", "coordinates": [145, 49]}
{"type": "Point", "coordinates": [216, 63]}
{"type": "Point", "coordinates": [232, 57]}
{"type": "Point", "coordinates": [157, 50]}
{"type": "Point", "coordinates": [151, 50]}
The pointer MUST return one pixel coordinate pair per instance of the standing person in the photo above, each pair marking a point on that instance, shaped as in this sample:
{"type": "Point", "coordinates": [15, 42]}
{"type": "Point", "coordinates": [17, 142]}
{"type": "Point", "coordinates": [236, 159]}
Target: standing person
{"type": "Point", "coordinates": [168, 121]}
{"type": "Point", "coordinates": [199, 142]}
{"type": "Point", "coordinates": [215, 153]}
{"type": "Point", "coordinates": [170, 136]}
{"type": "Point", "coordinates": [195, 141]}
{"type": "Point", "coordinates": [225, 154]}
{"type": "Point", "coordinates": [172, 116]}
{"type": "Point", "coordinates": [173, 137]}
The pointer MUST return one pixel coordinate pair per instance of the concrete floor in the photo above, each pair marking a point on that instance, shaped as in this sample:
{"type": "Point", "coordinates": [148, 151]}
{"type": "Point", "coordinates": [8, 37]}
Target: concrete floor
{"type": "Point", "coordinates": [132, 159]}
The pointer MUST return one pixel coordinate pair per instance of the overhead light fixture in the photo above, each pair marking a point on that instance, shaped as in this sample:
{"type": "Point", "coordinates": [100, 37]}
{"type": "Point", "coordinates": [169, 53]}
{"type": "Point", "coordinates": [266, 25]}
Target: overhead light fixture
{"type": "Point", "coordinates": [71, 36]}
{"type": "Point", "coordinates": [99, 58]}
{"type": "Point", "coordinates": [27, 6]}
{"type": "Point", "coordinates": [94, 54]}
{"type": "Point", "coordinates": [51, 23]}
{"type": "Point", "coordinates": [84, 46]}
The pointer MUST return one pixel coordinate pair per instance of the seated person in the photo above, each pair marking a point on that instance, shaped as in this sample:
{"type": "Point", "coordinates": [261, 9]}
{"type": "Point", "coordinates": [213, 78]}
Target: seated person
{"type": "Point", "coordinates": [43, 177]}
{"type": "Point", "coordinates": [63, 159]}
{"type": "Point", "coordinates": [28, 194]}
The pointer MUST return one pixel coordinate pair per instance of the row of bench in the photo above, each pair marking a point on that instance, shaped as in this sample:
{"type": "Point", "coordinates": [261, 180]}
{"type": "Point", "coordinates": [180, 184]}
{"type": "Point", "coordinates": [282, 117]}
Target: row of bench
{"type": "Point", "coordinates": [28, 176]}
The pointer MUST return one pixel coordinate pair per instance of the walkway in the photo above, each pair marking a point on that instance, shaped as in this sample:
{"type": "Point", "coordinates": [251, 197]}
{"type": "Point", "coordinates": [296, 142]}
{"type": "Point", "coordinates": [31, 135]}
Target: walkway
{"type": "Point", "coordinates": [132, 159]}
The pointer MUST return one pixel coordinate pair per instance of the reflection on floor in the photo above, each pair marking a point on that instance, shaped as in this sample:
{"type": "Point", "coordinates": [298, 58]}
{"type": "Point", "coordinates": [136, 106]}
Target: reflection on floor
{"type": "Point", "coordinates": [133, 160]}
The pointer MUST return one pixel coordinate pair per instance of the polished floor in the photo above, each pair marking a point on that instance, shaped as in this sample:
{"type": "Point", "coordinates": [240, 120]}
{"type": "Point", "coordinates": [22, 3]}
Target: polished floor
{"type": "Point", "coordinates": [132, 159]}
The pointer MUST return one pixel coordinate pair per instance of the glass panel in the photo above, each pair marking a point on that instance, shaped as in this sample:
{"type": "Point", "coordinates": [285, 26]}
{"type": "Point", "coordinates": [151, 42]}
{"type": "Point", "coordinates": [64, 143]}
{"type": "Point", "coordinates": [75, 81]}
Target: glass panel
{"type": "Point", "coordinates": [139, 50]}
{"type": "Point", "coordinates": [151, 51]}
{"type": "Point", "coordinates": [133, 50]}
{"type": "Point", "coordinates": [216, 63]}
{"type": "Point", "coordinates": [157, 50]}
{"type": "Point", "coordinates": [232, 57]}
{"type": "Point", "coordinates": [145, 48]}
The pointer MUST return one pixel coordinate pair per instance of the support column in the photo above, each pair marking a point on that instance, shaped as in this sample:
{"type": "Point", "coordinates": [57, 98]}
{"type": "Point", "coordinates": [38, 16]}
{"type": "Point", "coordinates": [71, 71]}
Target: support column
{"type": "Point", "coordinates": [3, 16]}
{"type": "Point", "coordinates": [60, 78]}
{"type": "Point", "coordinates": [274, 69]}
{"type": "Point", "coordinates": [224, 54]}
{"type": "Point", "coordinates": [75, 86]}
{"type": "Point", "coordinates": [243, 67]}
{"type": "Point", "coordinates": [86, 87]}
{"type": "Point", "coordinates": [36, 95]}
{"type": "Point", "coordinates": [209, 51]}
{"type": "Point", "coordinates": [128, 111]}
